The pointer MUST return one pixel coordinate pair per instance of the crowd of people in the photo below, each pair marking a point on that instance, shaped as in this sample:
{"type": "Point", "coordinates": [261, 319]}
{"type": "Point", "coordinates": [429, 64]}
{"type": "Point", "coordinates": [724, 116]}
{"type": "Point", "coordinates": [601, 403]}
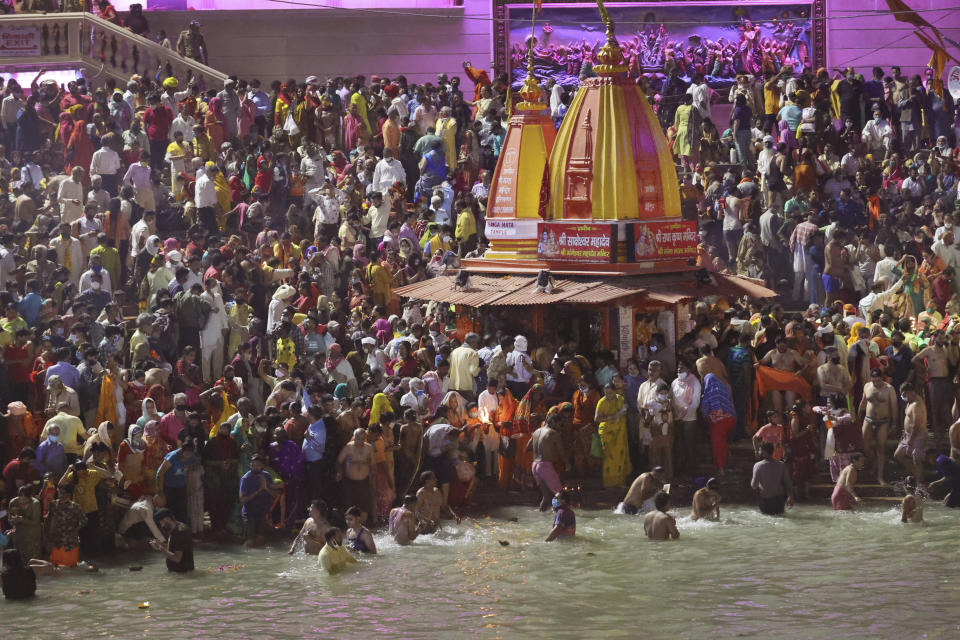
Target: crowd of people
{"type": "Point", "coordinates": [201, 336]}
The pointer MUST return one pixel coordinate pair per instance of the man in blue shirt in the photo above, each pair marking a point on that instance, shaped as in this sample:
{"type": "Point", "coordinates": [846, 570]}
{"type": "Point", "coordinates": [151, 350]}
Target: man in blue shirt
{"type": "Point", "coordinates": [68, 373]}
{"type": "Point", "coordinates": [29, 306]}
{"type": "Point", "coordinates": [256, 496]}
{"type": "Point", "coordinates": [51, 458]}
{"type": "Point", "coordinates": [314, 445]}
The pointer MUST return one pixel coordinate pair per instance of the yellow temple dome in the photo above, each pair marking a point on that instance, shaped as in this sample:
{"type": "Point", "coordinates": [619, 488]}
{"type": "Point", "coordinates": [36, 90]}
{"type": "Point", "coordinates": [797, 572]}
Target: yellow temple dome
{"type": "Point", "coordinates": [611, 160]}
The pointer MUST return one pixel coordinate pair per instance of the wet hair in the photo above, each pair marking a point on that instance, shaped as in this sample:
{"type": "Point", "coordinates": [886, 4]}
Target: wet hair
{"type": "Point", "coordinates": [409, 499]}
{"type": "Point", "coordinates": [427, 475]}
{"type": "Point", "coordinates": [321, 506]}
{"type": "Point", "coordinates": [330, 534]}
{"type": "Point", "coordinates": [661, 500]}
{"type": "Point", "coordinates": [563, 495]}
{"type": "Point", "coordinates": [767, 448]}
{"type": "Point", "coordinates": [353, 511]}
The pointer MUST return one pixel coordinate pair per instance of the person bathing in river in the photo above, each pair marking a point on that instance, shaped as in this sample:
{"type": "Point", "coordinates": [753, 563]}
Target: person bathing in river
{"type": "Point", "coordinates": [844, 497]}
{"type": "Point", "coordinates": [359, 537]}
{"type": "Point", "coordinates": [313, 530]}
{"type": "Point", "coordinates": [334, 557]}
{"type": "Point", "coordinates": [547, 447]}
{"type": "Point", "coordinates": [706, 502]}
{"type": "Point", "coordinates": [353, 470]}
{"type": "Point", "coordinates": [564, 520]}
{"type": "Point", "coordinates": [403, 522]}
{"type": "Point", "coordinates": [430, 504]}
{"type": "Point", "coordinates": [639, 498]}
{"type": "Point", "coordinates": [659, 525]}
{"type": "Point", "coordinates": [911, 507]}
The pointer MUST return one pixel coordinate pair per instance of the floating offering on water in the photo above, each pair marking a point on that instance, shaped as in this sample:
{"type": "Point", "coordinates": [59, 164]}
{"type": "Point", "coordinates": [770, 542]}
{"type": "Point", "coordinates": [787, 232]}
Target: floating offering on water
{"type": "Point", "coordinates": [136, 568]}
{"type": "Point", "coordinates": [503, 543]}
{"type": "Point", "coordinates": [226, 568]}
{"type": "Point", "coordinates": [143, 605]}
{"type": "Point", "coordinates": [83, 591]}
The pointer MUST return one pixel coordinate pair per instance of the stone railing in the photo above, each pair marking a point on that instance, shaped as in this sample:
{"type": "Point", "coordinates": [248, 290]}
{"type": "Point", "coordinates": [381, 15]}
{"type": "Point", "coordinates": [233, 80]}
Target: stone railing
{"type": "Point", "coordinates": [97, 47]}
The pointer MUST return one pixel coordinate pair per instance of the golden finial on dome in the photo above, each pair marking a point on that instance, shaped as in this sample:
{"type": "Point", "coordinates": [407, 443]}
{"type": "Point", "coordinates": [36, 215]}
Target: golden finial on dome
{"type": "Point", "coordinates": [530, 91]}
{"type": "Point", "coordinates": [610, 56]}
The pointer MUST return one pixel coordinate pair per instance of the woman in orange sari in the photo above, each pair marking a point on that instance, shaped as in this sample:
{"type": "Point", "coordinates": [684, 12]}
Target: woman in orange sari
{"type": "Point", "coordinates": [506, 410]}
{"type": "Point", "coordinates": [579, 438]}
{"type": "Point", "coordinates": [528, 418]}
{"type": "Point", "coordinates": [213, 122]}
{"type": "Point", "coordinates": [79, 151]}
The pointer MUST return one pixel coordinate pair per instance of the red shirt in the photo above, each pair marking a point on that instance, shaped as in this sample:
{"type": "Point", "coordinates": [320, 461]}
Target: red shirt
{"type": "Point", "coordinates": [19, 372]}
{"type": "Point", "coordinates": [158, 123]}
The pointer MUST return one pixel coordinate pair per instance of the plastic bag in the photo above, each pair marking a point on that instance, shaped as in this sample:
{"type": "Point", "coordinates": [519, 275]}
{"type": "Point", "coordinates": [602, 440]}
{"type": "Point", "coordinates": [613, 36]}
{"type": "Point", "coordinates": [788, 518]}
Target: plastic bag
{"type": "Point", "coordinates": [596, 446]}
{"type": "Point", "coordinates": [290, 126]}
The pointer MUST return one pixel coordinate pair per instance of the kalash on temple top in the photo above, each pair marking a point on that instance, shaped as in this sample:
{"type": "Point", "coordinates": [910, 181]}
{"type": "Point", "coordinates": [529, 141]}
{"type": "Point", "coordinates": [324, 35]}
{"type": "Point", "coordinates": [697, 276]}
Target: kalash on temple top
{"type": "Point", "coordinates": [602, 190]}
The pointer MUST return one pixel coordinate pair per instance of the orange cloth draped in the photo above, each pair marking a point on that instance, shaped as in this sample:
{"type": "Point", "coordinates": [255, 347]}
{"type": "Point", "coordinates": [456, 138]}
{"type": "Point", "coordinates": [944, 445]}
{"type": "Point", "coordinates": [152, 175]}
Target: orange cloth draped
{"type": "Point", "coordinates": [107, 407]}
{"type": "Point", "coordinates": [873, 207]}
{"type": "Point", "coordinates": [769, 379]}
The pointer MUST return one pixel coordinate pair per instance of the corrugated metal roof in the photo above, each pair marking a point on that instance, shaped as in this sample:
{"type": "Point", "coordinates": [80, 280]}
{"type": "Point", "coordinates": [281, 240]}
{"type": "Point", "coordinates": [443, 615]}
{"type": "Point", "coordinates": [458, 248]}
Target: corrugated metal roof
{"type": "Point", "coordinates": [749, 286]}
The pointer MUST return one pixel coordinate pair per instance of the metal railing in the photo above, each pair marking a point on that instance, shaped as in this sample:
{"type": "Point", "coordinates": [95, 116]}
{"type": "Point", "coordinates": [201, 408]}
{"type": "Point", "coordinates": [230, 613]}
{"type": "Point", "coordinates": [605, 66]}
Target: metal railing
{"type": "Point", "coordinates": [98, 46]}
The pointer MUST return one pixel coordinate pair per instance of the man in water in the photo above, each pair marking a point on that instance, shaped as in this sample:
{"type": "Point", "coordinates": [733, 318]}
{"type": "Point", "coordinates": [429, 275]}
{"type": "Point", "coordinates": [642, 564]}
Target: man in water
{"type": "Point", "coordinates": [403, 522]}
{"type": "Point", "coordinates": [334, 557]}
{"type": "Point", "coordinates": [430, 504]}
{"type": "Point", "coordinates": [313, 530]}
{"type": "Point", "coordinates": [911, 507]}
{"type": "Point", "coordinates": [179, 547]}
{"type": "Point", "coordinates": [359, 537]}
{"type": "Point", "coordinates": [879, 411]}
{"type": "Point", "coordinates": [913, 447]}
{"type": "Point", "coordinates": [843, 496]}
{"type": "Point", "coordinates": [565, 520]}
{"type": "Point", "coordinates": [256, 497]}
{"type": "Point", "coordinates": [639, 498]}
{"type": "Point", "coordinates": [659, 525]}
{"type": "Point", "coordinates": [353, 471]}
{"type": "Point", "coordinates": [706, 502]}
{"type": "Point", "coordinates": [940, 357]}
{"type": "Point", "coordinates": [954, 436]}
{"type": "Point", "coordinates": [547, 447]}
{"type": "Point", "coordinates": [950, 477]}
{"type": "Point", "coordinates": [771, 481]}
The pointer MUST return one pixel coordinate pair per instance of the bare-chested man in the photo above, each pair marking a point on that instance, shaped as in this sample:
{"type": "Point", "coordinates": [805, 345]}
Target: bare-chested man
{"type": "Point", "coordinates": [706, 502]}
{"type": "Point", "coordinates": [411, 450]}
{"type": "Point", "coordinates": [659, 525]}
{"type": "Point", "coordinates": [911, 507]}
{"type": "Point", "coordinates": [783, 358]}
{"type": "Point", "coordinates": [955, 441]}
{"type": "Point", "coordinates": [939, 358]}
{"type": "Point", "coordinates": [547, 447]}
{"type": "Point", "coordinates": [844, 497]}
{"type": "Point", "coordinates": [709, 363]}
{"type": "Point", "coordinates": [353, 471]}
{"type": "Point", "coordinates": [913, 447]}
{"type": "Point", "coordinates": [878, 411]}
{"type": "Point", "coordinates": [403, 522]}
{"type": "Point", "coordinates": [430, 504]}
{"type": "Point", "coordinates": [639, 498]}
{"type": "Point", "coordinates": [313, 530]}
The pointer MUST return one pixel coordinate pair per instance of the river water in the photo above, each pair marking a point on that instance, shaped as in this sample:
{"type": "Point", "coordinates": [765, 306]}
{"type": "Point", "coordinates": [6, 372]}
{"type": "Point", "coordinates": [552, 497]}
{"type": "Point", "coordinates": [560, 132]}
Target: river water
{"type": "Point", "coordinates": [812, 574]}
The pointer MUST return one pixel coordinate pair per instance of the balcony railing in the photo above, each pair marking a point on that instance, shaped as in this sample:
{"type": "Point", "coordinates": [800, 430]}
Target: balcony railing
{"type": "Point", "coordinates": [98, 46]}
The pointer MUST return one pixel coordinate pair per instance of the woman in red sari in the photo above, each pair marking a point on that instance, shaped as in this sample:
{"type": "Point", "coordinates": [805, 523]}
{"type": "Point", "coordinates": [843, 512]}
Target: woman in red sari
{"type": "Point", "coordinates": [803, 449]}
{"type": "Point", "coordinates": [37, 395]}
{"type": "Point", "coordinates": [528, 418]}
{"type": "Point", "coordinates": [79, 151]}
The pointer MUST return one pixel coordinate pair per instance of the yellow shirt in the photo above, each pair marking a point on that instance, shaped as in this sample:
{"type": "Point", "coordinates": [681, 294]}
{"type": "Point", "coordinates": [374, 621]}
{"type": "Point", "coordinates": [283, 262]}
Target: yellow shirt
{"type": "Point", "coordinates": [466, 225]}
{"type": "Point", "coordinates": [86, 492]}
{"type": "Point", "coordinates": [334, 559]}
{"type": "Point", "coordinates": [771, 97]}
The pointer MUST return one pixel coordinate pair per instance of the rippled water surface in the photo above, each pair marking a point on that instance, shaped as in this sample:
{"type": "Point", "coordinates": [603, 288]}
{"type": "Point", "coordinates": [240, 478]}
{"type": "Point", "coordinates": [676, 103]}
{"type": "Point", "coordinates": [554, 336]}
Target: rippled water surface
{"type": "Point", "coordinates": [813, 574]}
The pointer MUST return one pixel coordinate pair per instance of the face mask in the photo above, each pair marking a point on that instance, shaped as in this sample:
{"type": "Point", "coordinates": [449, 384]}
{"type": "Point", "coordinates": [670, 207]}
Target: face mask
{"type": "Point", "coordinates": [654, 348]}
{"type": "Point", "coordinates": [903, 397]}
{"type": "Point", "coordinates": [555, 503]}
{"type": "Point", "coordinates": [95, 286]}
{"type": "Point", "coordinates": [53, 438]}
{"type": "Point", "coordinates": [835, 360]}
{"type": "Point", "coordinates": [849, 124]}
{"type": "Point", "coordinates": [181, 407]}
{"type": "Point", "coordinates": [419, 392]}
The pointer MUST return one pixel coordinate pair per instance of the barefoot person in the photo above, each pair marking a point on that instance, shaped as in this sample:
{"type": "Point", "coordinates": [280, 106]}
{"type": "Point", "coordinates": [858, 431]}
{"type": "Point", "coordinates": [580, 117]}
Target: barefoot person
{"type": "Point", "coordinates": [430, 504]}
{"type": "Point", "coordinates": [844, 497]}
{"type": "Point", "coordinates": [659, 525]}
{"type": "Point", "coordinates": [403, 522]}
{"type": "Point", "coordinates": [334, 557]}
{"type": "Point", "coordinates": [639, 498]}
{"type": "Point", "coordinates": [547, 447]}
{"type": "Point", "coordinates": [179, 546]}
{"type": "Point", "coordinates": [564, 520]}
{"type": "Point", "coordinates": [313, 530]}
{"type": "Point", "coordinates": [256, 498]}
{"type": "Point", "coordinates": [878, 411]}
{"type": "Point", "coordinates": [911, 507]}
{"type": "Point", "coordinates": [359, 538]}
{"type": "Point", "coordinates": [771, 481]}
{"type": "Point", "coordinates": [354, 464]}
{"type": "Point", "coordinates": [706, 502]}
{"type": "Point", "coordinates": [913, 447]}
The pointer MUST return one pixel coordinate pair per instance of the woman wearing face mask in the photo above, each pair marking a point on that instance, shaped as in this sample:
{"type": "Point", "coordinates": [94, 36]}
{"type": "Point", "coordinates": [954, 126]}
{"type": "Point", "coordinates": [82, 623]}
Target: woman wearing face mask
{"type": "Point", "coordinates": [130, 459]}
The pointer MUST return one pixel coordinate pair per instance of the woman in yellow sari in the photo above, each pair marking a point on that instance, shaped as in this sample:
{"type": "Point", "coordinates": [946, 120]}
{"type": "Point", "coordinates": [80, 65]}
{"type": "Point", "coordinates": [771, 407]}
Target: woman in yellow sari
{"type": "Point", "coordinates": [612, 427]}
